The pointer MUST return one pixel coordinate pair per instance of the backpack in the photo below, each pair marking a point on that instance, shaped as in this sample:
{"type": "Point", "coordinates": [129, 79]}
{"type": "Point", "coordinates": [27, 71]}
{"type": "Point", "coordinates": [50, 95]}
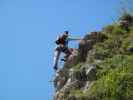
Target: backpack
{"type": "Point", "coordinates": [60, 40]}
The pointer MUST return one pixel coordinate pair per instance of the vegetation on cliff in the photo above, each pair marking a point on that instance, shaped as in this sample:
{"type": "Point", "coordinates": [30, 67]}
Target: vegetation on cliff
{"type": "Point", "coordinates": [111, 52]}
{"type": "Point", "coordinates": [115, 74]}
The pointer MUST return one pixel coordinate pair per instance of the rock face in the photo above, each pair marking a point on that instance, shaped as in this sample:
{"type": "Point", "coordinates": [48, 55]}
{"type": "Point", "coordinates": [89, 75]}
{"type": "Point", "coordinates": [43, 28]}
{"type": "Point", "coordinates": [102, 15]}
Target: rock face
{"type": "Point", "coordinates": [69, 78]}
{"type": "Point", "coordinates": [80, 79]}
{"type": "Point", "coordinates": [87, 43]}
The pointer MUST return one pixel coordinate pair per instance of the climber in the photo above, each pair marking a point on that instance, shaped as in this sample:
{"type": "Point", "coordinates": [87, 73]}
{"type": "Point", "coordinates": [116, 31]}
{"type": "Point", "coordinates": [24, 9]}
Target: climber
{"type": "Point", "coordinates": [62, 42]}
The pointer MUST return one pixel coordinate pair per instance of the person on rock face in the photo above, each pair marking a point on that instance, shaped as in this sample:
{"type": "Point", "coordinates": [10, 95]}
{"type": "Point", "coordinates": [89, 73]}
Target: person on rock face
{"type": "Point", "coordinates": [62, 46]}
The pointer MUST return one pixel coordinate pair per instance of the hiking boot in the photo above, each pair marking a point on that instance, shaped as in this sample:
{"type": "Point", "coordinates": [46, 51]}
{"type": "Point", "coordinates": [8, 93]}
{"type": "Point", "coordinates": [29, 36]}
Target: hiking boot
{"type": "Point", "coordinates": [63, 60]}
{"type": "Point", "coordinates": [55, 68]}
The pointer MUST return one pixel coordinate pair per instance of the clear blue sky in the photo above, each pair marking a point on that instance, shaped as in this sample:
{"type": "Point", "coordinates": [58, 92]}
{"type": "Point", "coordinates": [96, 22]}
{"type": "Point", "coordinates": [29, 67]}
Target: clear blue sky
{"type": "Point", "coordinates": [27, 32]}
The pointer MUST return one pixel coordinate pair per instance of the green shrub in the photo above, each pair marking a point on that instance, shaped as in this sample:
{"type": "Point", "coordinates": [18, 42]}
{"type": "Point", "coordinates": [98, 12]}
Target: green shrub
{"type": "Point", "coordinates": [126, 16]}
{"type": "Point", "coordinates": [118, 31]}
{"type": "Point", "coordinates": [114, 83]}
{"type": "Point", "coordinates": [108, 29]}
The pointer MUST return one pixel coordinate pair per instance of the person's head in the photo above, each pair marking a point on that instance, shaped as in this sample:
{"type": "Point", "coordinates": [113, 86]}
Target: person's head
{"type": "Point", "coordinates": [65, 34]}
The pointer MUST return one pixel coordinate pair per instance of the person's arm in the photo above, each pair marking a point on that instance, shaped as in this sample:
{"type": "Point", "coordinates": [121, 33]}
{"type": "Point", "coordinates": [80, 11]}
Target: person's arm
{"type": "Point", "coordinates": [78, 39]}
{"type": "Point", "coordinates": [73, 39]}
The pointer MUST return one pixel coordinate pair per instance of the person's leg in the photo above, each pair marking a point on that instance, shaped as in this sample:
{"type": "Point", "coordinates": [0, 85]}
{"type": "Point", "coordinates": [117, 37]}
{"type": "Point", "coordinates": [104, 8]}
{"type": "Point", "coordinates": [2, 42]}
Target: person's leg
{"type": "Point", "coordinates": [56, 58]}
